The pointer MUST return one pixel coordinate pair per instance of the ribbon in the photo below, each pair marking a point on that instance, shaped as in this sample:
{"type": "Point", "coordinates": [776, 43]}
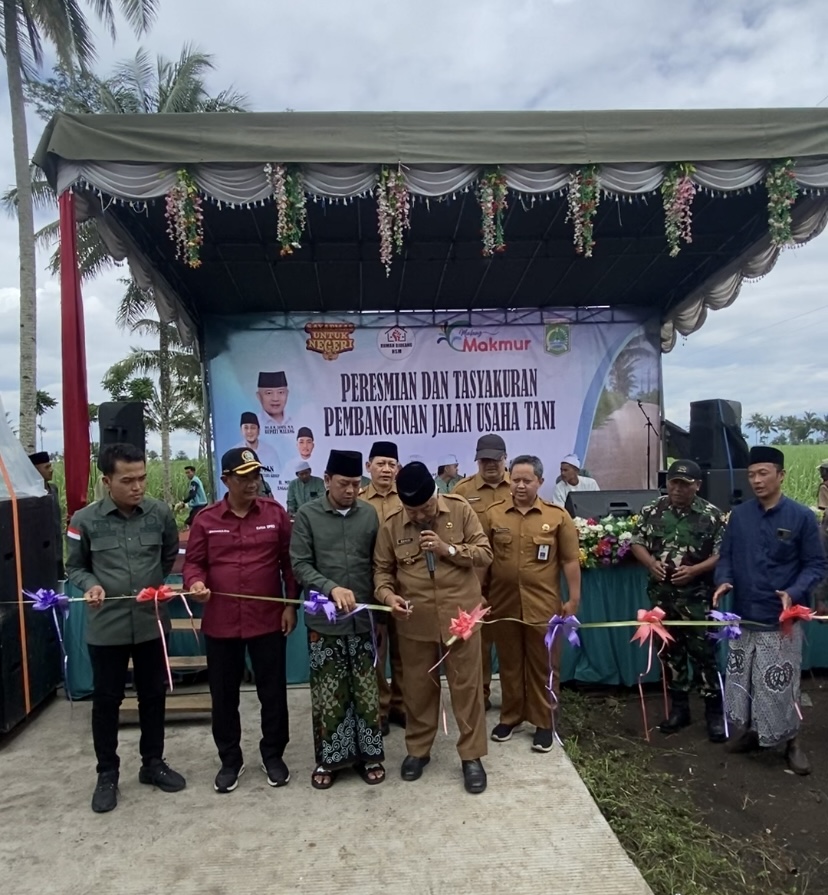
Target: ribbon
{"type": "Point", "coordinates": [47, 600]}
{"type": "Point", "coordinates": [729, 629]}
{"type": "Point", "coordinates": [159, 595]}
{"type": "Point", "coordinates": [569, 625]}
{"type": "Point", "coordinates": [462, 627]}
{"type": "Point", "coordinates": [722, 691]}
{"type": "Point", "coordinates": [320, 603]}
{"type": "Point", "coordinates": [651, 626]}
{"type": "Point", "coordinates": [796, 613]}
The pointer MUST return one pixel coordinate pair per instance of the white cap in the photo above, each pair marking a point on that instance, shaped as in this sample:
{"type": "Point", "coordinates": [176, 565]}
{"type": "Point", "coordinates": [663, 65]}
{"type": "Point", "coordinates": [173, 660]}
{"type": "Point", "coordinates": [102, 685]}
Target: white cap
{"type": "Point", "coordinates": [302, 465]}
{"type": "Point", "coordinates": [572, 460]}
{"type": "Point", "coordinates": [448, 460]}
{"type": "Point", "coordinates": [417, 458]}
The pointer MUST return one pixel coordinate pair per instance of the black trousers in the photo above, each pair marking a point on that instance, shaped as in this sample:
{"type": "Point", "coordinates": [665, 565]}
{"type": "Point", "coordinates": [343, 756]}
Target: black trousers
{"type": "Point", "coordinates": [109, 671]}
{"type": "Point", "coordinates": [225, 669]}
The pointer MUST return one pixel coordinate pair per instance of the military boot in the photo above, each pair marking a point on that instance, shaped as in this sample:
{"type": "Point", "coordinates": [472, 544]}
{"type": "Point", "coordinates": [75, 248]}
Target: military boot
{"type": "Point", "coordinates": [679, 712]}
{"type": "Point", "coordinates": [714, 715]}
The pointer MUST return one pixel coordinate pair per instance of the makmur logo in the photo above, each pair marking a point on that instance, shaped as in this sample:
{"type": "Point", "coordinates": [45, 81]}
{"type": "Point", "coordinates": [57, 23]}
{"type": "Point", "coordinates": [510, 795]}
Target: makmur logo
{"type": "Point", "coordinates": [462, 336]}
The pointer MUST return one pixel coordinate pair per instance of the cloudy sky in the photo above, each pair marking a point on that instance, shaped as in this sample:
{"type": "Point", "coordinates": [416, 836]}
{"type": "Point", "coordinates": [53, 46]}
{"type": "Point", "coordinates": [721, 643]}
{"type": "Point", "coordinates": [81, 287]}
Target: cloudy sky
{"type": "Point", "coordinates": [766, 350]}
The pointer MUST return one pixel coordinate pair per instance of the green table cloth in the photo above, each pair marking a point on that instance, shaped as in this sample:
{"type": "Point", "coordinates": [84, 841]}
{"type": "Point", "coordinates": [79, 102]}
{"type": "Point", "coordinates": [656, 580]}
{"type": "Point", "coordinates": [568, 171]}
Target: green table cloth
{"type": "Point", "coordinates": [606, 656]}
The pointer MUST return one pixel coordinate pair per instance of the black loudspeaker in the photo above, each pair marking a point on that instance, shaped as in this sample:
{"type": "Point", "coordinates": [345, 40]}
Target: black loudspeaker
{"type": "Point", "coordinates": [122, 422]}
{"type": "Point", "coordinates": [716, 440]}
{"type": "Point", "coordinates": [725, 488]}
{"type": "Point", "coordinates": [598, 504]}
{"type": "Point", "coordinates": [39, 568]}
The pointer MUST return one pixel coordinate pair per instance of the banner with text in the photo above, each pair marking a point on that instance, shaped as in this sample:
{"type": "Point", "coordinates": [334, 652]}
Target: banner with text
{"type": "Point", "coordinates": [294, 388]}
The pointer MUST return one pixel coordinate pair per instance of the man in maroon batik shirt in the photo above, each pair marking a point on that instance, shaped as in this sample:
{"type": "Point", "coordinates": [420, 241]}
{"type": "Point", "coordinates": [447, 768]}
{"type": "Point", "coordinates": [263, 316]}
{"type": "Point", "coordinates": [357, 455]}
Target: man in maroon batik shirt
{"type": "Point", "coordinates": [240, 545]}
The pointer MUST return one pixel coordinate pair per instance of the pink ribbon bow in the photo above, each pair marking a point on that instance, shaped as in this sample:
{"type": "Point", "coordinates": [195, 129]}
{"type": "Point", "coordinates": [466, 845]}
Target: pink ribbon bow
{"type": "Point", "coordinates": [158, 595]}
{"type": "Point", "coordinates": [796, 613]}
{"type": "Point", "coordinates": [651, 625]}
{"type": "Point", "coordinates": [462, 627]}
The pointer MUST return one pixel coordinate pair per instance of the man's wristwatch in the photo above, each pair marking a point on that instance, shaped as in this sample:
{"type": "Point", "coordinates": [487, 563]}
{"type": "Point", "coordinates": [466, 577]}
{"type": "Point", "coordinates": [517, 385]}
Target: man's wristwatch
{"type": "Point", "coordinates": [452, 550]}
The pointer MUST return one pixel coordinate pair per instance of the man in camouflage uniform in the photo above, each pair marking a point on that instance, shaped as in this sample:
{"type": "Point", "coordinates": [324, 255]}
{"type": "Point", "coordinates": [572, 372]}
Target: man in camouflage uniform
{"type": "Point", "coordinates": [677, 539]}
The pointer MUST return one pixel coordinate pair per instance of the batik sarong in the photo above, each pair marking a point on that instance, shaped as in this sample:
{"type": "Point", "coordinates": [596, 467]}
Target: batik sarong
{"type": "Point", "coordinates": [762, 684]}
{"type": "Point", "coordinates": [344, 700]}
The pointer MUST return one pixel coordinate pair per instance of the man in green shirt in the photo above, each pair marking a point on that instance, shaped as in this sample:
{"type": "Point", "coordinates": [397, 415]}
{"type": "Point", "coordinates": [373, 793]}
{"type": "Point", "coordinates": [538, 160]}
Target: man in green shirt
{"type": "Point", "coordinates": [117, 547]}
{"type": "Point", "coordinates": [304, 488]}
{"type": "Point", "coordinates": [331, 551]}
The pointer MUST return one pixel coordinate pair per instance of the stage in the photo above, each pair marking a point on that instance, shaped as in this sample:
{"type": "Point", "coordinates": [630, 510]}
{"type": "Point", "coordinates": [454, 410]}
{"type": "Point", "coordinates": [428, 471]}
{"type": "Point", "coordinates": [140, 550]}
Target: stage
{"type": "Point", "coordinates": [536, 828]}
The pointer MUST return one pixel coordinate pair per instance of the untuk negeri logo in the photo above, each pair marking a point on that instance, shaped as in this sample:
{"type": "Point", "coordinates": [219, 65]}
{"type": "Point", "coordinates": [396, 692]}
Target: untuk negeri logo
{"type": "Point", "coordinates": [462, 336]}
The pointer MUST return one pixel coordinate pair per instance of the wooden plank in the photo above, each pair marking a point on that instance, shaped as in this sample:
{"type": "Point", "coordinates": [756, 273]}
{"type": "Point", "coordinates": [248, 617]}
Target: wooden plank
{"type": "Point", "coordinates": [185, 663]}
{"type": "Point", "coordinates": [177, 704]}
{"type": "Point", "coordinates": [185, 624]}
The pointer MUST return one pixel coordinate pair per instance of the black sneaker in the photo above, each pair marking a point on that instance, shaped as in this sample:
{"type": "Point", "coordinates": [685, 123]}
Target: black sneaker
{"type": "Point", "coordinates": [503, 732]}
{"type": "Point", "coordinates": [543, 740]}
{"type": "Point", "coordinates": [227, 778]}
{"type": "Point", "coordinates": [159, 773]}
{"type": "Point", "coordinates": [277, 772]}
{"type": "Point", "coordinates": [105, 797]}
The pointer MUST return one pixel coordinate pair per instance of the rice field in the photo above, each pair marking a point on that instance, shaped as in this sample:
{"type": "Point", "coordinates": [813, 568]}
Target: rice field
{"type": "Point", "coordinates": [801, 483]}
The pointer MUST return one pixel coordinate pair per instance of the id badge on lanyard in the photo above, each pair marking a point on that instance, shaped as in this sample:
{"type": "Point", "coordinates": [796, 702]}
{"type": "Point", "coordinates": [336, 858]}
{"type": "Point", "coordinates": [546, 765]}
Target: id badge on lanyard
{"type": "Point", "coordinates": [543, 552]}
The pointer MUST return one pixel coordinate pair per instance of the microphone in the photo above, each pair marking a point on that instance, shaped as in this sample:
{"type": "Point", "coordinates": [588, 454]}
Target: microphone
{"type": "Point", "coordinates": [429, 556]}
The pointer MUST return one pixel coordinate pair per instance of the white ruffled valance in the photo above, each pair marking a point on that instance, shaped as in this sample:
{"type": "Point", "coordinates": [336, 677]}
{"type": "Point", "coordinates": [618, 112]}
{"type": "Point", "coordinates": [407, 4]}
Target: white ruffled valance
{"type": "Point", "coordinates": [248, 184]}
{"type": "Point", "coordinates": [241, 185]}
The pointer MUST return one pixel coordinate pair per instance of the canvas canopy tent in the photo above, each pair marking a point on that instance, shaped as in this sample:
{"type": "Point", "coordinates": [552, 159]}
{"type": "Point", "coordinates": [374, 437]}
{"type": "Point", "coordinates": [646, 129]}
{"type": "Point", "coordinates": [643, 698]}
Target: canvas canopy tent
{"type": "Point", "coordinates": [753, 180]}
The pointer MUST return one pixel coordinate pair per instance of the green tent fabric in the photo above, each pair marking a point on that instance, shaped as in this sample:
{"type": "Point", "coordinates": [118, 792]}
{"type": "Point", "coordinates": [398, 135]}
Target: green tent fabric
{"type": "Point", "coordinates": [477, 138]}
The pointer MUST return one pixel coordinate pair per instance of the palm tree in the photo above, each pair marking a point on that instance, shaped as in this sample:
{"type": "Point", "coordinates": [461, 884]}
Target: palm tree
{"type": "Point", "coordinates": [24, 27]}
{"type": "Point", "coordinates": [763, 426]}
{"type": "Point", "coordinates": [137, 86]}
{"type": "Point", "coordinates": [43, 402]}
{"type": "Point", "coordinates": [176, 403]}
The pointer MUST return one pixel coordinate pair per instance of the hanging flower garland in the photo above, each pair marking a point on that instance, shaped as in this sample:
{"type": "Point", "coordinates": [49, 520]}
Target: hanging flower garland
{"type": "Point", "coordinates": [782, 192]}
{"type": "Point", "coordinates": [491, 194]}
{"type": "Point", "coordinates": [288, 188]}
{"type": "Point", "coordinates": [394, 213]}
{"type": "Point", "coordinates": [583, 195]}
{"type": "Point", "coordinates": [678, 191]}
{"type": "Point", "coordinates": [185, 219]}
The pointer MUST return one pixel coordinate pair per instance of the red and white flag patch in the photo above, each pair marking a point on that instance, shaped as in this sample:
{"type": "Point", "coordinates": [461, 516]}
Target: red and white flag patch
{"type": "Point", "coordinates": [73, 533]}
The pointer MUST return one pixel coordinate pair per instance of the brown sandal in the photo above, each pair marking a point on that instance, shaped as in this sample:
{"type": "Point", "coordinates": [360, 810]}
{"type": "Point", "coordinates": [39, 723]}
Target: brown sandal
{"type": "Point", "coordinates": [327, 781]}
{"type": "Point", "coordinates": [366, 770]}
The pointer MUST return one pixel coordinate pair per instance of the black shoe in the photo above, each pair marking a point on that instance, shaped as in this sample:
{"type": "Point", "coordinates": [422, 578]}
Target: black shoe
{"type": "Point", "coordinates": [395, 716]}
{"type": "Point", "coordinates": [159, 773]}
{"type": "Point", "coordinates": [679, 713]}
{"type": "Point", "coordinates": [714, 716]}
{"type": "Point", "coordinates": [412, 767]}
{"type": "Point", "coordinates": [227, 778]}
{"type": "Point", "coordinates": [385, 727]}
{"type": "Point", "coordinates": [277, 772]}
{"type": "Point", "coordinates": [543, 740]}
{"type": "Point", "coordinates": [474, 776]}
{"type": "Point", "coordinates": [105, 797]}
{"type": "Point", "coordinates": [797, 759]}
{"type": "Point", "coordinates": [502, 733]}
{"type": "Point", "coordinates": [747, 741]}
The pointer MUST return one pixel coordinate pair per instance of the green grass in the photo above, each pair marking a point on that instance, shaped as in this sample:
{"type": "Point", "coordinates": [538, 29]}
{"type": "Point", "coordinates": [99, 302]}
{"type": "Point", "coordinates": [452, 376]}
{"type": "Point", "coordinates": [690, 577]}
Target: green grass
{"type": "Point", "coordinates": [802, 478]}
{"type": "Point", "coordinates": [655, 821]}
{"type": "Point", "coordinates": [180, 482]}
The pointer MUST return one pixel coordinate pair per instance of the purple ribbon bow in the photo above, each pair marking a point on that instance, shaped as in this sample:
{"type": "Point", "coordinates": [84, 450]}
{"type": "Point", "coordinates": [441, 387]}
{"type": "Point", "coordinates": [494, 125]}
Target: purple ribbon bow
{"type": "Point", "coordinates": [725, 632]}
{"type": "Point", "coordinates": [569, 626]}
{"type": "Point", "coordinates": [320, 603]}
{"type": "Point", "coordinates": [45, 599]}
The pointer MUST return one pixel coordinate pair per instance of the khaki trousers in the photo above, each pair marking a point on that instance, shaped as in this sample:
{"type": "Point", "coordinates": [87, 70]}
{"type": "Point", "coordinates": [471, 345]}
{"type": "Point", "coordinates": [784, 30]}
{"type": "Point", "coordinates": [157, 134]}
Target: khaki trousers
{"type": "Point", "coordinates": [524, 674]}
{"type": "Point", "coordinates": [421, 694]}
{"type": "Point", "coordinates": [390, 694]}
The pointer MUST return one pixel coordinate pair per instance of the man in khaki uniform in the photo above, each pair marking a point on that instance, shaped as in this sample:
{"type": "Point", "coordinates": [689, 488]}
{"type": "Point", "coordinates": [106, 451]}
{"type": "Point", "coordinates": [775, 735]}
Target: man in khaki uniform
{"type": "Point", "coordinates": [381, 493]}
{"type": "Point", "coordinates": [491, 484]}
{"type": "Point", "coordinates": [532, 541]}
{"type": "Point", "coordinates": [444, 528]}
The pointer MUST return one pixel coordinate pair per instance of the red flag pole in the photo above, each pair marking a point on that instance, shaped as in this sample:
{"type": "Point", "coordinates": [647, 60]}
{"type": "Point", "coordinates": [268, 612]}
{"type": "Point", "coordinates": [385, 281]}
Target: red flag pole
{"type": "Point", "coordinates": [76, 446]}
